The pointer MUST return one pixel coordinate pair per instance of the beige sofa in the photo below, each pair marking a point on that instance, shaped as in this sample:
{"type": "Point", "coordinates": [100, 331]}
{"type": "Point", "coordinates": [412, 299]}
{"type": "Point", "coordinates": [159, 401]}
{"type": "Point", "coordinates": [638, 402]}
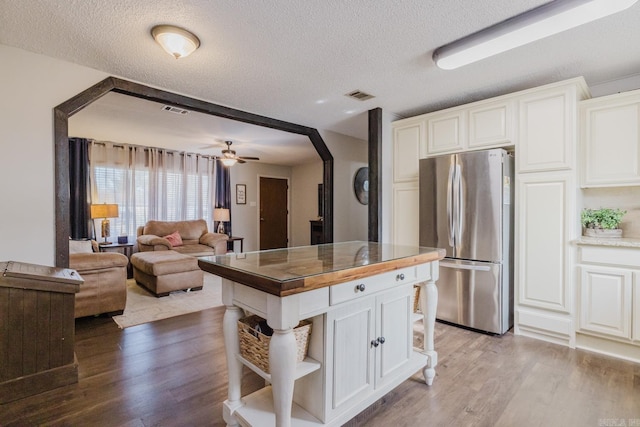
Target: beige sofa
{"type": "Point", "coordinates": [196, 239]}
{"type": "Point", "coordinates": [105, 279]}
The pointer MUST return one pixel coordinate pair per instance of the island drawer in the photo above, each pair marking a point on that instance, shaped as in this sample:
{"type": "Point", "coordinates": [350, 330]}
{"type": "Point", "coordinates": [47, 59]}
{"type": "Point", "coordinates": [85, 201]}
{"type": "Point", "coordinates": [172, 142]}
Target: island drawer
{"type": "Point", "coordinates": [369, 285]}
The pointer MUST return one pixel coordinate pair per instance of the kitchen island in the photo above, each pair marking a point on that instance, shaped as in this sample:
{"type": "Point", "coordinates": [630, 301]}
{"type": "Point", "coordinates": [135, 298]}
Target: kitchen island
{"type": "Point", "coordinates": [358, 297]}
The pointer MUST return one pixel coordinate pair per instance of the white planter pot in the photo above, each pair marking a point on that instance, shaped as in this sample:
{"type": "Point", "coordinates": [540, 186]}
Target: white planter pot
{"type": "Point", "coordinates": [601, 233]}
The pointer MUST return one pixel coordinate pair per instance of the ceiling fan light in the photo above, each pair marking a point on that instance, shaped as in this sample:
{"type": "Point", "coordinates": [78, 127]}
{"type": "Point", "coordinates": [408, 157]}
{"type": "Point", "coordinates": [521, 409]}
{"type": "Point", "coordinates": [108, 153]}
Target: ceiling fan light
{"type": "Point", "coordinates": [176, 41]}
{"type": "Point", "coordinates": [228, 161]}
{"type": "Point", "coordinates": [535, 24]}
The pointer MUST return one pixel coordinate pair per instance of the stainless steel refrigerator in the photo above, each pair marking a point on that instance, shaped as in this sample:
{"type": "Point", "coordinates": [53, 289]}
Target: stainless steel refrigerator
{"type": "Point", "coordinates": [466, 208]}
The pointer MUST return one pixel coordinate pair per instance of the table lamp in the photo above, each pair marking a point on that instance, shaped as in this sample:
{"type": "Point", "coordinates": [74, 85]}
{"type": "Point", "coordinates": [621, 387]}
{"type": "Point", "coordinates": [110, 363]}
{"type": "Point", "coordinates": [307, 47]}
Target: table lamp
{"type": "Point", "coordinates": [221, 215]}
{"type": "Point", "coordinates": [104, 211]}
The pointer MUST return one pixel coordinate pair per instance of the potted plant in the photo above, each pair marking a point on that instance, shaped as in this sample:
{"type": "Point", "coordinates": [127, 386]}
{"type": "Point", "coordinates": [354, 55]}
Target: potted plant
{"type": "Point", "coordinates": [602, 222]}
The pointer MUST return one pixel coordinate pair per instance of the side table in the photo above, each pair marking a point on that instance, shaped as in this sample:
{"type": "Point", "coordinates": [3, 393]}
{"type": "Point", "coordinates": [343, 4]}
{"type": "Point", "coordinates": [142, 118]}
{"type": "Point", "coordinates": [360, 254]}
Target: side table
{"type": "Point", "coordinates": [233, 240]}
{"type": "Point", "coordinates": [125, 248]}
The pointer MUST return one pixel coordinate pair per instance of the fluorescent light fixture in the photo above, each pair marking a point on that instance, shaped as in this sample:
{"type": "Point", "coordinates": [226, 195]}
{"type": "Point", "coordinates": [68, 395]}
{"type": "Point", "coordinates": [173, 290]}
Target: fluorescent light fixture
{"type": "Point", "coordinates": [176, 41]}
{"type": "Point", "coordinates": [535, 24]}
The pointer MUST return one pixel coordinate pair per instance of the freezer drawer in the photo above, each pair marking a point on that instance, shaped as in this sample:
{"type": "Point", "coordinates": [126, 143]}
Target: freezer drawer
{"type": "Point", "coordinates": [469, 294]}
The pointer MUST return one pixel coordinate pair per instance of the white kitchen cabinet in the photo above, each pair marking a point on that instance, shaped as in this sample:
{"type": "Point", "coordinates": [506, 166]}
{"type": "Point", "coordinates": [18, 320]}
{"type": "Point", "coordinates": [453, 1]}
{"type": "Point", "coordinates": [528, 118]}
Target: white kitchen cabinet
{"type": "Point", "coordinates": [405, 213]}
{"type": "Point", "coordinates": [446, 131]}
{"type": "Point", "coordinates": [610, 129]}
{"type": "Point", "coordinates": [545, 214]}
{"type": "Point", "coordinates": [409, 140]}
{"type": "Point", "coordinates": [605, 301]}
{"type": "Point", "coordinates": [547, 129]}
{"type": "Point", "coordinates": [609, 298]}
{"type": "Point", "coordinates": [635, 308]}
{"type": "Point", "coordinates": [491, 123]}
{"type": "Point", "coordinates": [376, 329]}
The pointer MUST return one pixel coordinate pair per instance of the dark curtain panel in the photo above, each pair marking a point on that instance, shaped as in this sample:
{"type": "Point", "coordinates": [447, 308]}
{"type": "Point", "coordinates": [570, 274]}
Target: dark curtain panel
{"type": "Point", "coordinates": [79, 189]}
{"type": "Point", "coordinates": [223, 192]}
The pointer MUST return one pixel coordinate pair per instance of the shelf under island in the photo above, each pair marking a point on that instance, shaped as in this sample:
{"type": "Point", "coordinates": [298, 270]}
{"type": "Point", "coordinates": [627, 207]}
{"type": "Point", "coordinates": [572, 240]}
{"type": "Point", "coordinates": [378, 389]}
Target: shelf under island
{"type": "Point", "coordinates": [358, 297]}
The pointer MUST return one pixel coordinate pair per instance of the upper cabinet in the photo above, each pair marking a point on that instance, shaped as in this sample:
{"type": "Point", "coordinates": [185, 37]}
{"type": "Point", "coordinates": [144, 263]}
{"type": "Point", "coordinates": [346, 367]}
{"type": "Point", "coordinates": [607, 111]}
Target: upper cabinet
{"type": "Point", "coordinates": [408, 142]}
{"type": "Point", "coordinates": [445, 132]}
{"type": "Point", "coordinates": [547, 130]}
{"type": "Point", "coordinates": [491, 123]}
{"type": "Point", "coordinates": [611, 140]}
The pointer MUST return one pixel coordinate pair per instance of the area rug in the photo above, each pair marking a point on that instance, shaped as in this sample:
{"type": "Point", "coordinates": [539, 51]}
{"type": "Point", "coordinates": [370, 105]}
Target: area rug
{"type": "Point", "coordinates": [143, 307]}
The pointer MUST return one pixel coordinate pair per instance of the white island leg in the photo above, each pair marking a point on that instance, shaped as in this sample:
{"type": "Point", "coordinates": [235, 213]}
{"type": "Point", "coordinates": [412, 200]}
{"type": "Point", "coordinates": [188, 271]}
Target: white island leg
{"type": "Point", "coordinates": [232, 347]}
{"type": "Point", "coordinates": [282, 363]}
{"type": "Point", "coordinates": [429, 303]}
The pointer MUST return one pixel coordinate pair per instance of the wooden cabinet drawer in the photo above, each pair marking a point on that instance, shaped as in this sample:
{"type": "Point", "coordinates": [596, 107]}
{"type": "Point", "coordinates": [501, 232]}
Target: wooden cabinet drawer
{"type": "Point", "coordinates": [369, 285]}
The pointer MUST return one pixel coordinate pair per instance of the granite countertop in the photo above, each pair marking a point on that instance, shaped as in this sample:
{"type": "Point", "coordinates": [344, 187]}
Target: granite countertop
{"type": "Point", "coordinates": [623, 242]}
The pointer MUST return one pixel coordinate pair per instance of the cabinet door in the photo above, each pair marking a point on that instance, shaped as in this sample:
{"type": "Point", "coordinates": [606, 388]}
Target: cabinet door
{"type": "Point", "coordinates": [605, 301]}
{"type": "Point", "coordinates": [544, 211]}
{"type": "Point", "coordinates": [611, 135]}
{"type": "Point", "coordinates": [547, 130]}
{"type": "Point", "coordinates": [393, 318]}
{"type": "Point", "coordinates": [635, 308]}
{"type": "Point", "coordinates": [491, 124]}
{"type": "Point", "coordinates": [406, 222]}
{"type": "Point", "coordinates": [408, 140]}
{"type": "Point", "coordinates": [350, 355]}
{"type": "Point", "coordinates": [445, 132]}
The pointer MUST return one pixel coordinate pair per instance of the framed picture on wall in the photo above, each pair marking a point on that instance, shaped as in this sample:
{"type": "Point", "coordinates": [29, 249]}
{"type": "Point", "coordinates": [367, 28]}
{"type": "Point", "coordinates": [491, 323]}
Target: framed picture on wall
{"type": "Point", "coordinates": [241, 194]}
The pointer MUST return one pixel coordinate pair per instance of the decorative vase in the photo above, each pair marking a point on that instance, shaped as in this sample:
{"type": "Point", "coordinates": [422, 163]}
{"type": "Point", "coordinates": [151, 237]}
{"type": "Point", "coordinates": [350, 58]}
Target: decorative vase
{"type": "Point", "coordinates": [603, 233]}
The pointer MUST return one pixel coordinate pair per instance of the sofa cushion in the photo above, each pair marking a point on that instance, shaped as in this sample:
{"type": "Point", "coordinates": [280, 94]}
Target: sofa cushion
{"type": "Point", "coordinates": [174, 238]}
{"type": "Point", "coordinates": [189, 230]}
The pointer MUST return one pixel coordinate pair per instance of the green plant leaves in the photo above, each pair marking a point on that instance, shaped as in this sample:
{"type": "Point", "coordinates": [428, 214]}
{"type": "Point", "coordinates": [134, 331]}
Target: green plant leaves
{"type": "Point", "coordinates": [604, 218]}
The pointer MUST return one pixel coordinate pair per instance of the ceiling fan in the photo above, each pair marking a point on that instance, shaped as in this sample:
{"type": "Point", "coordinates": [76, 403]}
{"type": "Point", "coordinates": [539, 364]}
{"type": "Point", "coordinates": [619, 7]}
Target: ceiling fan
{"type": "Point", "coordinates": [230, 158]}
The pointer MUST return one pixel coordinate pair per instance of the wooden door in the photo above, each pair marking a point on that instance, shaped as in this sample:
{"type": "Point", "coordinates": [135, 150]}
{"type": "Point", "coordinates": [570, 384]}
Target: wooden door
{"type": "Point", "coordinates": [273, 213]}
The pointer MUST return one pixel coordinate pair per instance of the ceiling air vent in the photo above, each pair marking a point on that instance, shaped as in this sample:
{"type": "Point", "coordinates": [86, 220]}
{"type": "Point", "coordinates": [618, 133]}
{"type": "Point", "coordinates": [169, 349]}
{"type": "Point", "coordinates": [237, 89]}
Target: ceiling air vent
{"type": "Point", "coordinates": [359, 95]}
{"type": "Point", "coordinates": [175, 110]}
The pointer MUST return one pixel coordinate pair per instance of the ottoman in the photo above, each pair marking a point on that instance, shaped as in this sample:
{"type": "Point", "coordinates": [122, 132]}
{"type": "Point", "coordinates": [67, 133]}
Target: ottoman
{"type": "Point", "coordinates": [162, 272]}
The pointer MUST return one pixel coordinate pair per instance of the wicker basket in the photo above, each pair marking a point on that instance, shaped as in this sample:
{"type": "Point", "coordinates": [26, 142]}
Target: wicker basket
{"type": "Point", "coordinates": [416, 299]}
{"type": "Point", "coordinates": [254, 345]}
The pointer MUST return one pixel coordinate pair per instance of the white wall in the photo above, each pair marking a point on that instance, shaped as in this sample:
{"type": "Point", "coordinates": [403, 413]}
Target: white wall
{"type": "Point", "coordinates": [31, 86]}
{"type": "Point", "coordinates": [350, 218]}
{"type": "Point", "coordinates": [245, 218]}
{"type": "Point", "coordinates": [304, 190]}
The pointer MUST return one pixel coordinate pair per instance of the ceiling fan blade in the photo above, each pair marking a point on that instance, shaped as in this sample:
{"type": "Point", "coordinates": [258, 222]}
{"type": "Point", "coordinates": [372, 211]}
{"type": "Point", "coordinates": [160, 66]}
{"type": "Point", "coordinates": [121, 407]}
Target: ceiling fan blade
{"type": "Point", "coordinates": [249, 158]}
{"type": "Point", "coordinates": [239, 160]}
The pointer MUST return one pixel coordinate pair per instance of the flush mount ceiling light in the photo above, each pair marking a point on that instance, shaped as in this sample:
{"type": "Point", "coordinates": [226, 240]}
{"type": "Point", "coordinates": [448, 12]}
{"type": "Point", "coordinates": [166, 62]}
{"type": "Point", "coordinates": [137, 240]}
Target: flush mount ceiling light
{"type": "Point", "coordinates": [176, 41]}
{"type": "Point", "coordinates": [546, 20]}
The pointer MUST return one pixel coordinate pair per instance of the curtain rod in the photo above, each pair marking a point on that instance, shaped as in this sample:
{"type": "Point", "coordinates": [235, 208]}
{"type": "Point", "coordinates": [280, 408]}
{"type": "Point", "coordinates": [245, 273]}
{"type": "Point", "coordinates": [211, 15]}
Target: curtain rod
{"type": "Point", "coordinates": [118, 145]}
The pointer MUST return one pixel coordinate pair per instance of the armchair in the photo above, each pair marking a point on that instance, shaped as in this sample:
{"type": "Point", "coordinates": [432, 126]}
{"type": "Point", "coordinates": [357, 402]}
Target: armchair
{"type": "Point", "coordinates": [105, 279]}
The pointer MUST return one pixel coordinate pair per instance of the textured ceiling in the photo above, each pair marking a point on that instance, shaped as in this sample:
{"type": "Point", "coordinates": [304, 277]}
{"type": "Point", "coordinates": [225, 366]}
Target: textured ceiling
{"type": "Point", "coordinates": [294, 60]}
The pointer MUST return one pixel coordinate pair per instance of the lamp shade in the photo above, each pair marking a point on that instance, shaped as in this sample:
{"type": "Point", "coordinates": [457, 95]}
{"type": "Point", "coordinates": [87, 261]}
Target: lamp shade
{"type": "Point", "coordinates": [104, 211]}
{"type": "Point", "coordinates": [221, 214]}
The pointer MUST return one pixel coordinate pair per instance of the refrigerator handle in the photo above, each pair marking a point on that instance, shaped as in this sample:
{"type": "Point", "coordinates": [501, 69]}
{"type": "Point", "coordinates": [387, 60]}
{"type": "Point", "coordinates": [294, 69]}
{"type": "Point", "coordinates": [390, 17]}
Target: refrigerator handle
{"type": "Point", "coordinates": [450, 212]}
{"type": "Point", "coordinates": [460, 203]}
{"type": "Point", "coordinates": [464, 266]}
{"type": "Point", "coordinates": [456, 204]}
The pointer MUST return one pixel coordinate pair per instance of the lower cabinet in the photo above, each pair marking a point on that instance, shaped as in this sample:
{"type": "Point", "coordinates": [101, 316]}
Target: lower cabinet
{"type": "Point", "coordinates": [605, 301]}
{"type": "Point", "coordinates": [609, 300]}
{"type": "Point", "coordinates": [368, 341]}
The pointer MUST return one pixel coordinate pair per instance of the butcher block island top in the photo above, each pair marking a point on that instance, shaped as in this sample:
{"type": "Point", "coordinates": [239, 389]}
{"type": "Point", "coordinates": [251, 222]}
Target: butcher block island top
{"type": "Point", "coordinates": [288, 271]}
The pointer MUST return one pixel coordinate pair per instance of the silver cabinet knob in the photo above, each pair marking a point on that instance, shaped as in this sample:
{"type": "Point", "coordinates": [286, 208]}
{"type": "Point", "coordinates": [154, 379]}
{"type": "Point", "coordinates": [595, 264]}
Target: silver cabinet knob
{"type": "Point", "coordinates": [400, 276]}
{"type": "Point", "coordinates": [375, 343]}
{"type": "Point", "coordinates": [360, 287]}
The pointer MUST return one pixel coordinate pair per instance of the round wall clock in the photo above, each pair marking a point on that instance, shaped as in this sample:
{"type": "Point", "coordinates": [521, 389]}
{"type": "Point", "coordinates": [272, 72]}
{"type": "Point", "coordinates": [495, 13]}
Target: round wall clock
{"type": "Point", "coordinates": [361, 185]}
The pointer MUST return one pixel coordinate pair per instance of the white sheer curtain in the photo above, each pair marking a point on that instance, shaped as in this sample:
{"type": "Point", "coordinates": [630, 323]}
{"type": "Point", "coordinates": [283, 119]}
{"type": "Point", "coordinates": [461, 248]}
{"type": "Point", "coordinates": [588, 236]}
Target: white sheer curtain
{"type": "Point", "coordinates": [151, 183]}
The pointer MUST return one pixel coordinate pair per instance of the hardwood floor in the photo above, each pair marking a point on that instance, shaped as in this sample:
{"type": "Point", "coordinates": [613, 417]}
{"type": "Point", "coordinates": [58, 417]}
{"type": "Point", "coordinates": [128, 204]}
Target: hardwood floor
{"type": "Point", "coordinates": [172, 373]}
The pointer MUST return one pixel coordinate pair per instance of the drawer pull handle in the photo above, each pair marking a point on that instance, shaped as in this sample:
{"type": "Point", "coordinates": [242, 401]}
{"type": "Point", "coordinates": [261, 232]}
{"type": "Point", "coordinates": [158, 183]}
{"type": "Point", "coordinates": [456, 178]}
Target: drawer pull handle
{"type": "Point", "coordinates": [360, 287]}
{"type": "Point", "coordinates": [375, 343]}
{"type": "Point", "coordinates": [400, 276]}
